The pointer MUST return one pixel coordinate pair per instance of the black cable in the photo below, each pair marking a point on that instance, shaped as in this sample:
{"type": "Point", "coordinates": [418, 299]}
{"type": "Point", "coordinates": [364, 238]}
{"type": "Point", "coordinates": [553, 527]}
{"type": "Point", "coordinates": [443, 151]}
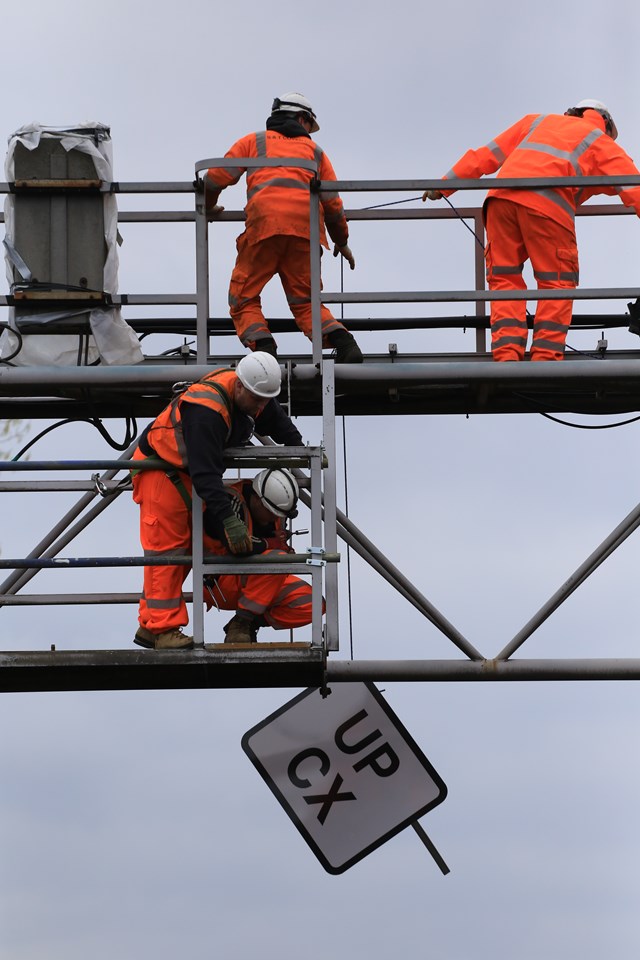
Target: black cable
{"type": "Point", "coordinates": [131, 433]}
{"type": "Point", "coordinates": [18, 336]}
{"type": "Point", "coordinates": [578, 426]}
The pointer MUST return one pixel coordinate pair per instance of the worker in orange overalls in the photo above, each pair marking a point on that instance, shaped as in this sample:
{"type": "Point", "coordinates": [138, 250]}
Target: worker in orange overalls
{"type": "Point", "coordinates": [280, 600]}
{"type": "Point", "coordinates": [538, 223]}
{"type": "Point", "coordinates": [276, 235]}
{"type": "Point", "coordinates": [191, 434]}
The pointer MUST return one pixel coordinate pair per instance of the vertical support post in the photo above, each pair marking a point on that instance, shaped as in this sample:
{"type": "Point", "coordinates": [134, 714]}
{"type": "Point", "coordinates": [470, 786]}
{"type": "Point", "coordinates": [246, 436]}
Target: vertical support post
{"type": "Point", "coordinates": [202, 353]}
{"type": "Point", "coordinates": [202, 279]}
{"type": "Point", "coordinates": [315, 471]}
{"type": "Point", "coordinates": [197, 552]}
{"type": "Point", "coordinates": [481, 308]}
{"type": "Point", "coordinates": [314, 252]}
{"type": "Point", "coordinates": [330, 505]}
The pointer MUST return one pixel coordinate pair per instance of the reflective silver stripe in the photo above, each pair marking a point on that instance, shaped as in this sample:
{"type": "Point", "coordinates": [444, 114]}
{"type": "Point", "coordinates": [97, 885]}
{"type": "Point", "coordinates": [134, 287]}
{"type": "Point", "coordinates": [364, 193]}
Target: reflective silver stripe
{"type": "Point", "coordinates": [571, 156]}
{"type": "Point", "coordinates": [204, 393]}
{"type": "Point", "coordinates": [333, 195]}
{"type": "Point", "coordinates": [278, 182]}
{"type": "Point", "coordinates": [500, 271]}
{"type": "Point", "coordinates": [509, 341]}
{"type": "Point", "coordinates": [556, 198]}
{"type": "Point", "coordinates": [255, 328]}
{"type": "Point", "coordinates": [261, 143]}
{"type": "Point", "coordinates": [550, 325]}
{"type": "Point", "coordinates": [535, 123]}
{"type": "Point", "coordinates": [318, 154]}
{"type": "Point", "coordinates": [508, 322]}
{"type": "Point", "coordinates": [286, 590]}
{"type": "Point", "coordinates": [495, 149]}
{"type": "Point", "coordinates": [171, 604]}
{"type": "Point", "coordinates": [570, 275]}
{"type": "Point", "coordinates": [296, 300]}
{"type": "Point", "coordinates": [250, 605]}
{"type": "Point", "coordinates": [450, 175]}
{"type": "Point", "coordinates": [299, 602]}
{"type": "Point", "coordinates": [549, 345]}
{"type": "Point", "coordinates": [552, 151]}
{"type": "Point", "coordinates": [175, 552]}
{"type": "Point", "coordinates": [233, 301]}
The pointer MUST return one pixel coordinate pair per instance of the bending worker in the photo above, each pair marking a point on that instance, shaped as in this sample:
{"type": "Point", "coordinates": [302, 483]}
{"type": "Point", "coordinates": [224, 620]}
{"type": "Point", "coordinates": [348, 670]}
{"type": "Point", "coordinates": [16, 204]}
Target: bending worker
{"type": "Point", "coordinates": [276, 235]}
{"type": "Point", "coordinates": [191, 434]}
{"type": "Point", "coordinates": [538, 223]}
{"type": "Point", "coordinates": [278, 600]}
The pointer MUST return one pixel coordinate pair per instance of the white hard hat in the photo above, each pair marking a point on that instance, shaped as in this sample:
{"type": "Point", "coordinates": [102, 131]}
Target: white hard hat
{"type": "Point", "coordinates": [600, 108]}
{"type": "Point", "coordinates": [295, 103]}
{"type": "Point", "coordinates": [278, 491]}
{"type": "Point", "coordinates": [260, 373]}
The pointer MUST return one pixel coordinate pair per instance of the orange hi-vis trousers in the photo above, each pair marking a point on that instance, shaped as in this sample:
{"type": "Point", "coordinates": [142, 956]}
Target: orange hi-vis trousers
{"type": "Point", "coordinates": [514, 234]}
{"type": "Point", "coordinates": [284, 601]}
{"type": "Point", "coordinates": [165, 530]}
{"type": "Point", "coordinates": [256, 264]}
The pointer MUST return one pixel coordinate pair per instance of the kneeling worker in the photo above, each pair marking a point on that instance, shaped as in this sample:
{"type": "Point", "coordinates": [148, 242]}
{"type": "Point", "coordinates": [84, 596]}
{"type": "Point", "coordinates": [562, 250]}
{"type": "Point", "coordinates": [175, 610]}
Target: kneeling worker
{"type": "Point", "coordinates": [191, 434]}
{"type": "Point", "coordinates": [277, 600]}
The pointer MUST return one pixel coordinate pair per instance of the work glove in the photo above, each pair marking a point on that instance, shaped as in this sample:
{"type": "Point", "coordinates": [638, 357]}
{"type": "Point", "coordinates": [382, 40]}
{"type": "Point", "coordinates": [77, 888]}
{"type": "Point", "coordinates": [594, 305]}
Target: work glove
{"type": "Point", "coordinates": [237, 535]}
{"type": "Point", "coordinates": [345, 252]}
{"type": "Point", "coordinates": [214, 212]}
{"type": "Point", "coordinates": [431, 195]}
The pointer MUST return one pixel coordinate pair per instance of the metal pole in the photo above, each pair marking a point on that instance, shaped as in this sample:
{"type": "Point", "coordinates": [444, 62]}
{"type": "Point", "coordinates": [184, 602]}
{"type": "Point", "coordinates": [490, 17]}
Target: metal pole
{"type": "Point", "coordinates": [315, 252]}
{"type": "Point", "coordinates": [479, 670]}
{"type": "Point", "coordinates": [354, 537]}
{"type": "Point", "coordinates": [17, 580]}
{"type": "Point", "coordinates": [329, 501]}
{"type": "Point", "coordinates": [606, 548]}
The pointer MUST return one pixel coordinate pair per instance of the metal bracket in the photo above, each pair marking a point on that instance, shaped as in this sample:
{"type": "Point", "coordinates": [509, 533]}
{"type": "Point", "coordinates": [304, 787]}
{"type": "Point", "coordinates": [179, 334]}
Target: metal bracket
{"type": "Point", "coordinates": [316, 552]}
{"type": "Point", "coordinates": [100, 486]}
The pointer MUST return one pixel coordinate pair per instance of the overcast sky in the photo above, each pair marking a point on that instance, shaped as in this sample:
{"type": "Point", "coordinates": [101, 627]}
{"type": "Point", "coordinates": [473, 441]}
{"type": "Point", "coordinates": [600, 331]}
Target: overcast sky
{"type": "Point", "coordinates": [132, 825]}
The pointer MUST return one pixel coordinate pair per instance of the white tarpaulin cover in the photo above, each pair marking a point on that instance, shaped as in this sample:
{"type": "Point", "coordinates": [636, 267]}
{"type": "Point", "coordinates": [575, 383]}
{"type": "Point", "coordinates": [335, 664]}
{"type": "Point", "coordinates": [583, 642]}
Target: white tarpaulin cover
{"type": "Point", "coordinates": [112, 341]}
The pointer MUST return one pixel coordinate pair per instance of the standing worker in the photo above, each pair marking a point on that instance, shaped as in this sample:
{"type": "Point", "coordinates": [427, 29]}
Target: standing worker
{"type": "Point", "coordinates": [191, 434]}
{"type": "Point", "coordinates": [278, 600]}
{"type": "Point", "coordinates": [538, 223]}
{"type": "Point", "coordinates": [276, 235]}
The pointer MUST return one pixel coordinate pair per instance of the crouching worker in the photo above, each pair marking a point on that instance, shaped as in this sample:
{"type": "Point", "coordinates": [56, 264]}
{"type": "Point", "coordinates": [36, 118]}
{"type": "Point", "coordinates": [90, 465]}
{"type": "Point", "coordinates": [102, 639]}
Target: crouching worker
{"type": "Point", "coordinates": [191, 434]}
{"type": "Point", "coordinates": [277, 600]}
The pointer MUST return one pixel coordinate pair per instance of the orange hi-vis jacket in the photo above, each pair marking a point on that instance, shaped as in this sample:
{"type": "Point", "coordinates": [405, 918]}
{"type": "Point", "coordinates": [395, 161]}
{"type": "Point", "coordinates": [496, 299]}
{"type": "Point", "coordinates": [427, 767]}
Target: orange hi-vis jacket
{"type": "Point", "coordinates": [214, 391]}
{"type": "Point", "coordinates": [551, 145]}
{"type": "Point", "coordinates": [278, 197]}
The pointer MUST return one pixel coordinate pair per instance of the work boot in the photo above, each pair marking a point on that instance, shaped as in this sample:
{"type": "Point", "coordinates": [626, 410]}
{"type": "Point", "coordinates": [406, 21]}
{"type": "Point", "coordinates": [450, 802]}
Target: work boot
{"type": "Point", "coordinates": [347, 350]}
{"type": "Point", "coordinates": [241, 629]}
{"type": "Point", "coordinates": [168, 640]}
{"type": "Point", "coordinates": [267, 345]}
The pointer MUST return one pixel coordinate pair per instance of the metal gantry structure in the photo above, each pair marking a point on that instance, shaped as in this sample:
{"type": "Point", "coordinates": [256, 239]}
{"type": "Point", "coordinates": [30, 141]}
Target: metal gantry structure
{"type": "Point", "coordinates": [390, 383]}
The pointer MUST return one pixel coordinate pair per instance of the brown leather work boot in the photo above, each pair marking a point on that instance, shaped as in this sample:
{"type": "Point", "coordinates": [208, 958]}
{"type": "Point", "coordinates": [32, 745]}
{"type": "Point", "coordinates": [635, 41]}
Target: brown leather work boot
{"type": "Point", "coordinates": [241, 629]}
{"type": "Point", "coordinates": [168, 640]}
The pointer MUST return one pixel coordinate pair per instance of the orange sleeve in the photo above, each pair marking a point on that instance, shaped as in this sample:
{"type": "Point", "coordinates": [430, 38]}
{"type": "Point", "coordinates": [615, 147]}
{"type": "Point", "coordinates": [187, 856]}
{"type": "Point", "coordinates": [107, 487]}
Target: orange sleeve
{"type": "Point", "coordinates": [218, 177]}
{"type": "Point", "coordinates": [334, 218]}
{"type": "Point", "coordinates": [606, 158]}
{"type": "Point", "coordinates": [489, 158]}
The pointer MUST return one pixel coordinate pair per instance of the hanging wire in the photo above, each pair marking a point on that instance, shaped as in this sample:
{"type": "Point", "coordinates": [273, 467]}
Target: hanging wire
{"type": "Point", "coordinates": [130, 435]}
